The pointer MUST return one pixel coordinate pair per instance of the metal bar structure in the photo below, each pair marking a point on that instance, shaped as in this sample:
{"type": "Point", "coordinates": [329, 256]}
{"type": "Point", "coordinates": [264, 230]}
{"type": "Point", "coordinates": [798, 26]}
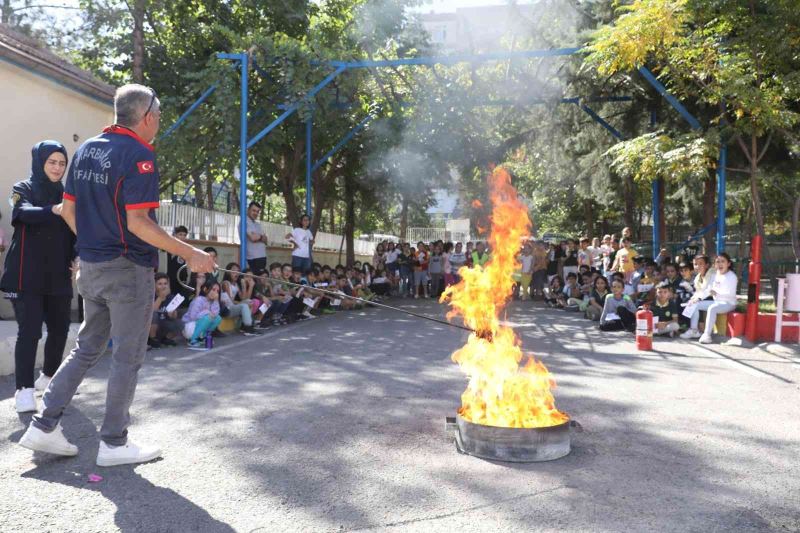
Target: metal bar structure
{"type": "Point", "coordinates": [244, 61]}
{"type": "Point", "coordinates": [656, 204]}
{"type": "Point", "coordinates": [652, 80]}
{"type": "Point", "coordinates": [454, 59]}
{"type": "Point", "coordinates": [341, 66]}
{"type": "Point", "coordinates": [721, 185]}
{"type": "Point", "coordinates": [611, 129]}
{"type": "Point", "coordinates": [350, 134]}
{"type": "Point", "coordinates": [244, 64]}
{"type": "Point", "coordinates": [189, 111]}
{"type": "Point", "coordinates": [294, 107]}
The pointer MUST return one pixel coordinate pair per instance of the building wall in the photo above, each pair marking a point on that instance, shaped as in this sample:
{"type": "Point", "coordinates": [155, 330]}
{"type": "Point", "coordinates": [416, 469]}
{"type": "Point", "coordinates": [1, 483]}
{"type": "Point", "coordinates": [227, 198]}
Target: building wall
{"type": "Point", "coordinates": [34, 108]}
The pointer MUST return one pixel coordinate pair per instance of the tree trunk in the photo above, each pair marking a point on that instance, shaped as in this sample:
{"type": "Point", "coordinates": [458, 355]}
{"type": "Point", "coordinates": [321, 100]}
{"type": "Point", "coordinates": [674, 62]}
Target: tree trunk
{"type": "Point", "coordinates": [754, 192]}
{"type": "Point", "coordinates": [199, 198]}
{"type": "Point", "coordinates": [630, 201]}
{"type": "Point", "coordinates": [332, 226]}
{"type": "Point", "coordinates": [349, 218]}
{"type": "Point", "coordinates": [588, 211]}
{"type": "Point", "coordinates": [210, 190]}
{"type": "Point", "coordinates": [7, 12]}
{"type": "Point", "coordinates": [138, 40]}
{"type": "Point", "coordinates": [403, 217]}
{"type": "Point", "coordinates": [709, 209]}
{"type": "Point", "coordinates": [289, 167]}
{"type": "Point", "coordinates": [662, 220]}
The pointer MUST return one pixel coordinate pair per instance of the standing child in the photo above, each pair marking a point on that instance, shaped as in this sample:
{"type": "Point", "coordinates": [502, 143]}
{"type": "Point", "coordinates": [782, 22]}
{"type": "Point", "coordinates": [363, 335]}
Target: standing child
{"type": "Point", "coordinates": [421, 270]}
{"type": "Point", "coordinates": [436, 271]}
{"type": "Point", "coordinates": [527, 271]}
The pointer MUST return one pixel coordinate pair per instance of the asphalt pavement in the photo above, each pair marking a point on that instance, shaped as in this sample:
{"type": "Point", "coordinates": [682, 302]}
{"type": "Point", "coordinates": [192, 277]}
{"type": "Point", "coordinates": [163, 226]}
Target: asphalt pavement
{"type": "Point", "coordinates": [337, 424]}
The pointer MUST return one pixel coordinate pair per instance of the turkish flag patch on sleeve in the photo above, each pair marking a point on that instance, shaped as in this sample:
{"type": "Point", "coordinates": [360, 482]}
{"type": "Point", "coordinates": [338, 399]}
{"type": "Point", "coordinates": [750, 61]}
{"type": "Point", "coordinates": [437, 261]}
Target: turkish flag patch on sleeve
{"type": "Point", "coordinates": [146, 167]}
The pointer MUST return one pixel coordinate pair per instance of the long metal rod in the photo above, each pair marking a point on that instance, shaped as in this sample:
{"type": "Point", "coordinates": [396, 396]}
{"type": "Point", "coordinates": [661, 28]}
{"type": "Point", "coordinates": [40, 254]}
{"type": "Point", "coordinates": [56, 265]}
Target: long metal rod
{"type": "Point", "coordinates": [352, 133]}
{"type": "Point", "coordinates": [337, 295]}
{"type": "Point", "coordinates": [189, 111]}
{"type": "Point", "coordinates": [674, 102]}
{"type": "Point", "coordinates": [244, 60]}
{"type": "Point", "coordinates": [294, 107]}
{"type": "Point", "coordinates": [611, 129]}
{"type": "Point", "coordinates": [450, 60]}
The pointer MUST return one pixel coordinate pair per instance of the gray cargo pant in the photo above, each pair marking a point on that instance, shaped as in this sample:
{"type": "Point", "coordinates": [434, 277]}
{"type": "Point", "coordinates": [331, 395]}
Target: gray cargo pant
{"type": "Point", "coordinates": [118, 303]}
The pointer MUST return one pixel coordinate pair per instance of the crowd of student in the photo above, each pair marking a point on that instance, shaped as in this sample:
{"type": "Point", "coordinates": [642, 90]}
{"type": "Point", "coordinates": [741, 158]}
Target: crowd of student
{"type": "Point", "coordinates": [255, 300]}
{"type": "Point", "coordinates": [609, 280]}
{"type": "Point", "coordinates": [605, 279]}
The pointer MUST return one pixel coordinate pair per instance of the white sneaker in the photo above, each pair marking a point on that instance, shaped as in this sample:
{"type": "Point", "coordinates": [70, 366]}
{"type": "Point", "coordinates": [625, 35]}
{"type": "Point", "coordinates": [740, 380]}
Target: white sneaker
{"type": "Point", "coordinates": [42, 382]}
{"type": "Point", "coordinates": [130, 453]}
{"type": "Point", "coordinates": [706, 339]}
{"type": "Point", "coordinates": [54, 442]}
{"type": "Point", "coordinates": [690, 334]}
{"type": "Point", "coordinates": [25, 401]}
{"type": "Point", "coordinates": [308, 314]}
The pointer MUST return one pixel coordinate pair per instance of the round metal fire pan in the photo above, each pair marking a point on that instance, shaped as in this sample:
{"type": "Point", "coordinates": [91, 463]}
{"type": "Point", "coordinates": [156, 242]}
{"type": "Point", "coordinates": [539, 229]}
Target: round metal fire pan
{"type": "Point", "coordinates": [518, 445]}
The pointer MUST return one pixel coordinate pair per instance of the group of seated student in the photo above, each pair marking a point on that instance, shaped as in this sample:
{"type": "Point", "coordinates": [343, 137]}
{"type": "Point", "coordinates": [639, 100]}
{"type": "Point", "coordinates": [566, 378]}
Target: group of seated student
{"type": "Point", "coordinates": [611, 290]}
{"type": "Point", "coordinates": [256, 302]}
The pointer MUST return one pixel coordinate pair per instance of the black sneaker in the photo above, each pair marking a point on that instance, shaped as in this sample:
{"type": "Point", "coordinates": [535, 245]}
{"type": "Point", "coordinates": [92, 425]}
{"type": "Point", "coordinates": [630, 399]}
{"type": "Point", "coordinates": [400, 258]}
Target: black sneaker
{"type": "Point", "coordinates": [218, 334]}
{"type": "Point", "coordinates": [168, 342]}
{"type": "Point", "coordinates": [153, 343]}
{"type": "Point", "coordinates": [249, 331]}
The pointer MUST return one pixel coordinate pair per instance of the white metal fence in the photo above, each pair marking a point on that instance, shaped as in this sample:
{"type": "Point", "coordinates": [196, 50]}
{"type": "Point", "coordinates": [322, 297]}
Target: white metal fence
{"type": "Point", "coordinates": [204, 224]}
{"type": "Point", "coordinates": [414, 235]}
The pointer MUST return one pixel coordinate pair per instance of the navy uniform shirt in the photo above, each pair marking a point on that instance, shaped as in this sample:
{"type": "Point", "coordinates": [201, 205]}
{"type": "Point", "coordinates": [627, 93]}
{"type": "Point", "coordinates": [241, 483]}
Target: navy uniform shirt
{"type": "Point", "coordinates": [110, 175]}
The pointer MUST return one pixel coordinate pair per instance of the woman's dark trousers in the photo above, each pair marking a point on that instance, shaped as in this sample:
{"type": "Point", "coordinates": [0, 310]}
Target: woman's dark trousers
{"type": "Point", "coordinates": [32, 310]}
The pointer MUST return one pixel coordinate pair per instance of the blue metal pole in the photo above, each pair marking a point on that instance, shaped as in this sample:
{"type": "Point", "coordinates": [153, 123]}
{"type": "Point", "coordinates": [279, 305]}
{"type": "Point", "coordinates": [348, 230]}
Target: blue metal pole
{"type": "Point", "coordinates": [309, 125]}
{"type": "Point", "coordinates": [350, 134]}
{"type": "Point", "coordinates": [652, 80]}
{"type": "Point", "coordinates": [450, 60]}
{"type": "Point", "coordinates": [656, 202]}
{"type": "Point", "coordinates": [721, 186]}
{"type": "Point", "coordinates": [243, 59]}
{"type": "Point", "coordinates": [656, 219]}
{"type": "Point", "coordinates": [602, 122]}
{"type": "Point", "coordinates": [292, 108]}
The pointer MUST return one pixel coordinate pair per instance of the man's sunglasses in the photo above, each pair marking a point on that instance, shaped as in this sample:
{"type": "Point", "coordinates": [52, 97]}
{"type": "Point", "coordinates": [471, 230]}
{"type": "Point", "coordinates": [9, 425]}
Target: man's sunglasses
{"type": "Point", "coordinates": [152, 100]}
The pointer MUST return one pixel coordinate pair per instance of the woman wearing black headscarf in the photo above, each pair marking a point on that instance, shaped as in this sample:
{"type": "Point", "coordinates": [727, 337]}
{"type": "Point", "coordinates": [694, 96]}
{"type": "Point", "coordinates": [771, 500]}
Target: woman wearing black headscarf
{"type": "Point", "coordinates": [37, 275]}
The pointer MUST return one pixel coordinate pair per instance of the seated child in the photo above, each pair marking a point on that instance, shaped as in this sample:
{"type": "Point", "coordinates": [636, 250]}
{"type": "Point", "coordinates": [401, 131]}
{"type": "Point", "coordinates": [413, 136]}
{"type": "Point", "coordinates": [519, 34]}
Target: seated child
{"type": "Point", "coordinates": [572, 297]}
{"type": "Point", "coordinates": [597, 299]}
{"type": "Point", "coordinates": [235, 296]}
{"type": "Point", "coordinates": [166, 325]}
{"type": "Point", "coordinates": [554, 293]}
{"type": "Point", "coordinates": [619, 311]}
{"type": "Point", "coordinates": [665, 311]}
{"type": "Point", "coordinates": [202, 316]}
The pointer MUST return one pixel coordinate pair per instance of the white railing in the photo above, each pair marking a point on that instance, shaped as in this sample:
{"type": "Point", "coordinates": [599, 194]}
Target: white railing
{"type": "Point", "coordinates": [204, 224]}
{"type": "Point", "coordinates": [426, 235]}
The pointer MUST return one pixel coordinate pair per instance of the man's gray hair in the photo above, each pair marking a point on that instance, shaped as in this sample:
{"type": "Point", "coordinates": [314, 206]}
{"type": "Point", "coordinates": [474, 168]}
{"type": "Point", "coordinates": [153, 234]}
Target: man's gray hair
{"type": "Point", "coordinates": [130, 103]}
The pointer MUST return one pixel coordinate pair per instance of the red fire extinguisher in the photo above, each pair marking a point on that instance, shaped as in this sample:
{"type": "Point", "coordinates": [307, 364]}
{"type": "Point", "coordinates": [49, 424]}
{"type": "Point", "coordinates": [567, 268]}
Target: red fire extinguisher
{"type": "Point", "coordinates": [644, 328]}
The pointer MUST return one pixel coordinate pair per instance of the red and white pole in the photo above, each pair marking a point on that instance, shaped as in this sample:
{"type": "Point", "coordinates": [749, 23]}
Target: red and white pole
{"type": "Point", "coordinates": [753, 290]}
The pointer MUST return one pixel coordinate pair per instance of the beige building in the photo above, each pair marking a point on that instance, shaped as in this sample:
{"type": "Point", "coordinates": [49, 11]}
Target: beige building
{"type": "Point", "coordinates": [42, 97]}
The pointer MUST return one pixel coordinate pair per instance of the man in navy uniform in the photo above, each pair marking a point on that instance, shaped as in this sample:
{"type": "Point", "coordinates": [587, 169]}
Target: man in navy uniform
{"type": "Point", "coordinates": [110, 198]}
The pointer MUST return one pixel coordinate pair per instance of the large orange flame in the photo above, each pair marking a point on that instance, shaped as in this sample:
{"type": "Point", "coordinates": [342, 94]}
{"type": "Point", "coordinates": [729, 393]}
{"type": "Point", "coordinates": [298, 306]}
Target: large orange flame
{"type": "Point", "coordinates": [502, 392]}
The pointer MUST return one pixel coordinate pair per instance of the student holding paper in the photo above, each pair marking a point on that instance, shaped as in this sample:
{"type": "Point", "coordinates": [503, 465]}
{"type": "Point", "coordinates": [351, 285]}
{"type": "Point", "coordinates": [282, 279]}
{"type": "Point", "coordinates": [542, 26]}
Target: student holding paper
{"type": "Point", "coordinates": [722, 290]}
{"type": "Point", "coordinates": [166, 325]}
{"type": "Point", "coordinates": [619, 311]}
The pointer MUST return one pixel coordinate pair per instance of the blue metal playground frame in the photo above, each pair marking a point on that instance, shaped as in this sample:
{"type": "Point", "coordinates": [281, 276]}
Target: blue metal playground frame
{"type": "Point", "coordinates": [242, 60]}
